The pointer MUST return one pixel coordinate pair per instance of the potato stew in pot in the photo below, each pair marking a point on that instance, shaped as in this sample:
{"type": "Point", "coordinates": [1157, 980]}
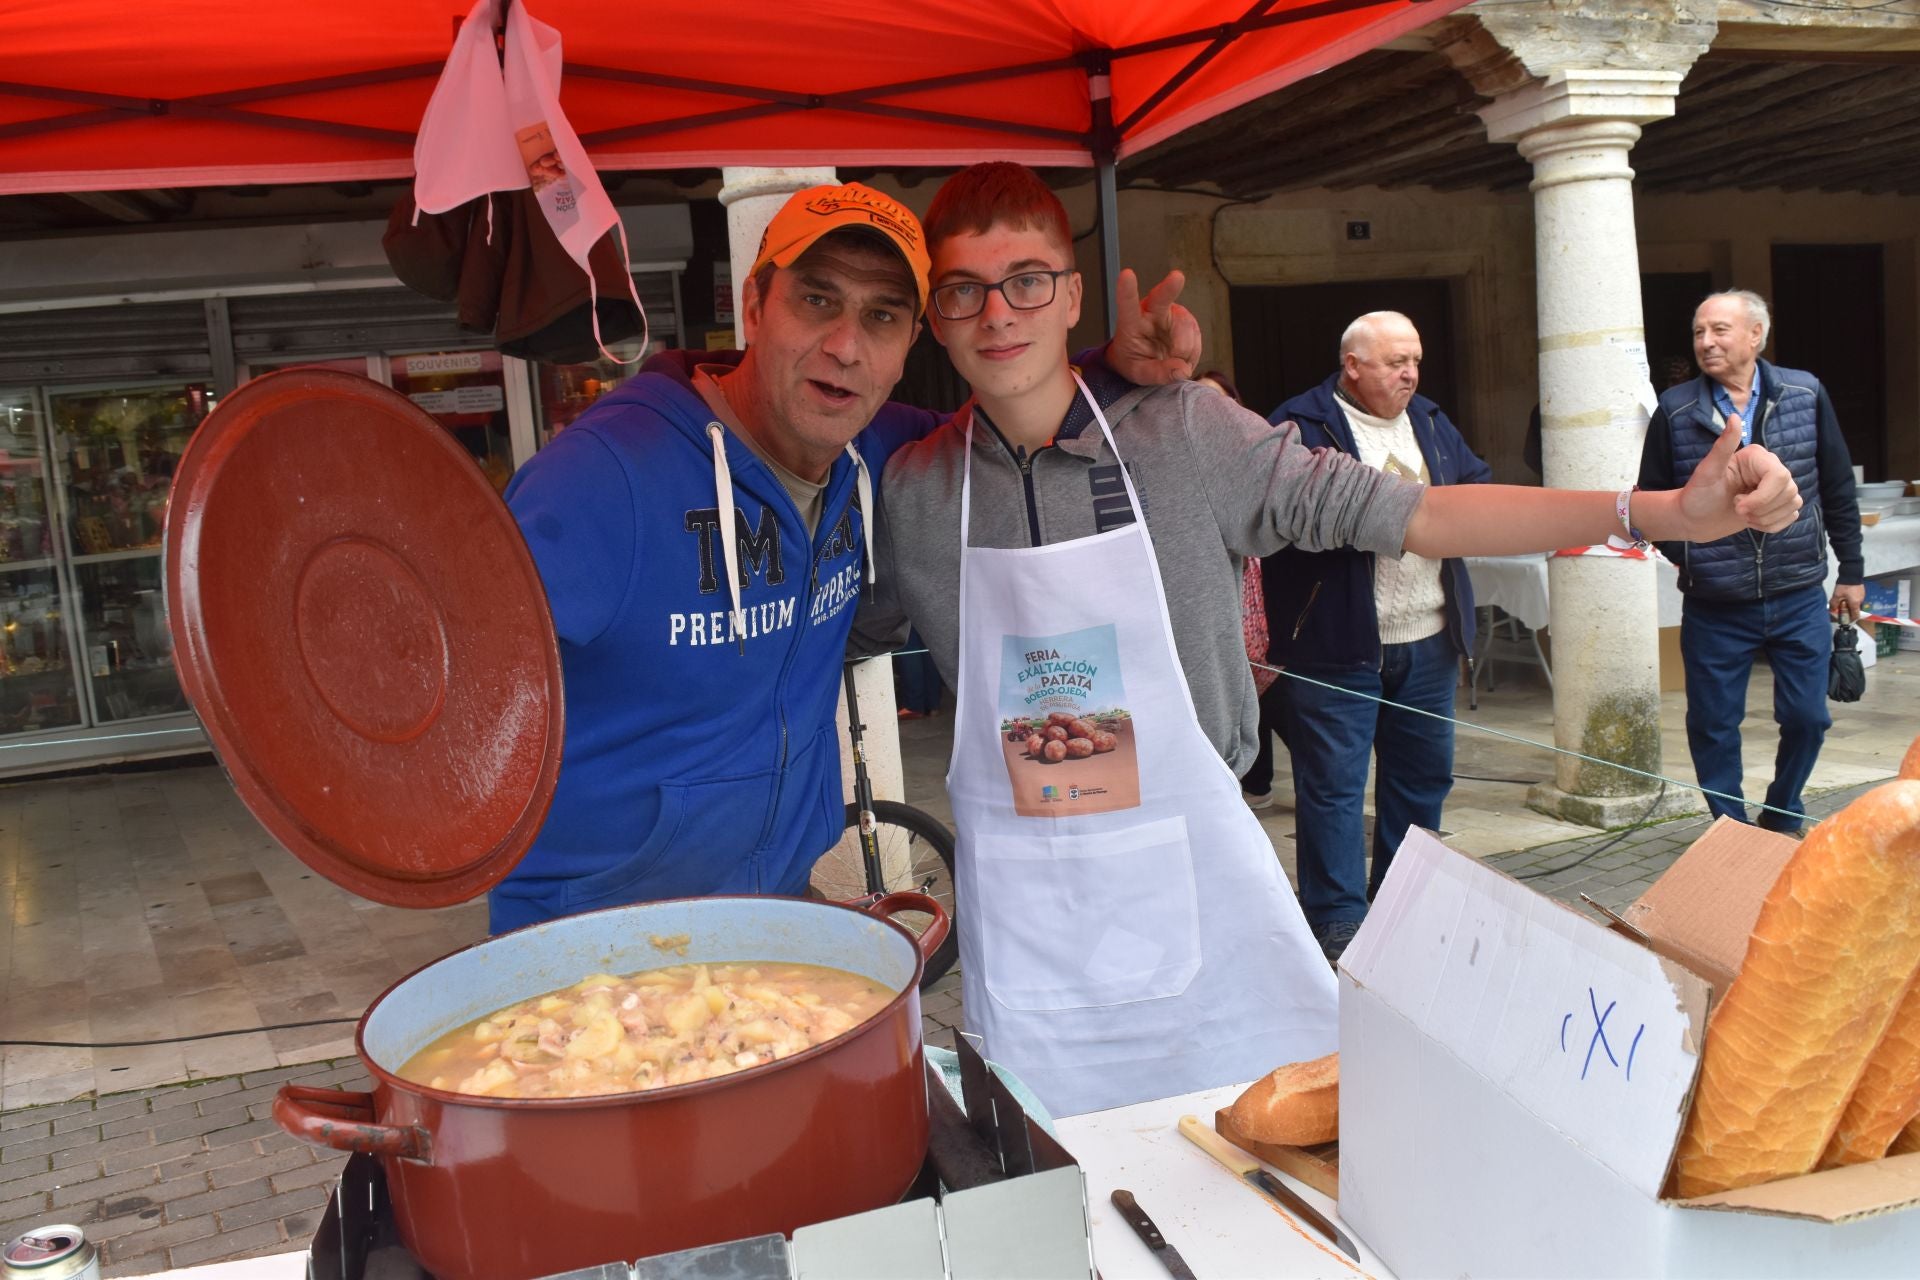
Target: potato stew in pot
{"type": "Point", "coordinates": [647, 1030]}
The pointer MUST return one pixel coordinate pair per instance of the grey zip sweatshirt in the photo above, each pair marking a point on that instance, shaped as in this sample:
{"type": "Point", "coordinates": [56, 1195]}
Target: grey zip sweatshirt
{"type": "Point", "coordinates": [1217, 483]}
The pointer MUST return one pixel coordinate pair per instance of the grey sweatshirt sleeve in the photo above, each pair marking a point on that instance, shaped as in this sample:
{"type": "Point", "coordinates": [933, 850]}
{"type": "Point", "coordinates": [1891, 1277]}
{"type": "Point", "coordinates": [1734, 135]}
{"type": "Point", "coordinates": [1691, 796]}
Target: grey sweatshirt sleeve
{"type": "Point", "coordinates": [1268, 490]}
{"type": "Point", "coordinates": [880, 621]}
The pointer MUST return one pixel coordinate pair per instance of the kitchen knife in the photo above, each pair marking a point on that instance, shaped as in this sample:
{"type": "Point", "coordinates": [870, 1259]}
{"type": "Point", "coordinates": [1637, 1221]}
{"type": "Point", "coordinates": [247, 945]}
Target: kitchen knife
{"type": "Point", "coordinates": [1260, 1180]}
{"type": "Point", "coordinates": [1142, 1225]}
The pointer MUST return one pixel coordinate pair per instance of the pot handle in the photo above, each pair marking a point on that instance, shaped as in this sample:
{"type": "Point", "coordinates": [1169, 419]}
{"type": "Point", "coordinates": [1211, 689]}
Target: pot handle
{"type": "Point", "coordinates": [343, 1119]}
{"type": "Point", "coordinates": [906, 900]}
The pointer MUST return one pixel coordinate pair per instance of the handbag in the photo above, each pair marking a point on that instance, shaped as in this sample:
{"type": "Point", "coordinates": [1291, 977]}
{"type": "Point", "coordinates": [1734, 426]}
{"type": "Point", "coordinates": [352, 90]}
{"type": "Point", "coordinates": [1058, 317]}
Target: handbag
{"type": "Point", "coordinates": [1846, 678]}
{"type": "Point", "coordinates": [1253, 625]}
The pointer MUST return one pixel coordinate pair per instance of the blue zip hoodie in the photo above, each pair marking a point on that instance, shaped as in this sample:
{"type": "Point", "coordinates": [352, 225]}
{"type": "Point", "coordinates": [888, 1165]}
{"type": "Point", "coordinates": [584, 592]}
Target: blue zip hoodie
{"type": "Point", "coordinates": [700, 758]}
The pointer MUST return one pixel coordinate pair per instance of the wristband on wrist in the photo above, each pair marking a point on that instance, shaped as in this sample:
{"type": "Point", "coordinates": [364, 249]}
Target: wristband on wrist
{"type": "Point", "coordinates": [1622, 509]}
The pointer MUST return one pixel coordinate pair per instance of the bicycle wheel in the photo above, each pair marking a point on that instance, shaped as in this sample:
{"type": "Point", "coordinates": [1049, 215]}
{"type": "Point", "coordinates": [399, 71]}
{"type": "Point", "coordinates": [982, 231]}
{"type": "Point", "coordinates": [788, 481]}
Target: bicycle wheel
{"type": "Point", "coordinates": [916, 852]}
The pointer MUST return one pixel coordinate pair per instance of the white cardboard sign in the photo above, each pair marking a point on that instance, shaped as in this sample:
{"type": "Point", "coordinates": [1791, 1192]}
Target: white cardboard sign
{"type": "Point", "coordinates": [1584, 1029]}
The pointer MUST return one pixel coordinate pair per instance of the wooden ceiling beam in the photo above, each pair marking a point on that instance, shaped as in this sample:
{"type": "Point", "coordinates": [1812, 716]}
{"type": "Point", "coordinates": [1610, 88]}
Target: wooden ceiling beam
{"type": "Point", "coordinates": [1488, 173]}
{"type": "Point", "coordinates": [1469, 168]}
{"type": "Point", "coordinates": [1831, 131]}
{"type": "Point", "coordinates": [1856, 164]}
{"type": "Point", "coordinates": [1698, 128]}
{"type": "Point", "coordinates": [1708, 83]}
{"type": "Point", "coordinates": [1344, 138]}
{"type": "Point", "coordinates": [1413, 146]}
{"type": "Point", "coordinates": [1295, 111]}
{"type": "Point", "coordinates": [1866, 158]}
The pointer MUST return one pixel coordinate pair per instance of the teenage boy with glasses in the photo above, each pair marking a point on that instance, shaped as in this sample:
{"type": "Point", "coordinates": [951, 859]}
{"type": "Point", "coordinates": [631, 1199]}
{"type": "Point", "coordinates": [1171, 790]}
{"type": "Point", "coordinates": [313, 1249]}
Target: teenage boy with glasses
{"type": "Point", "coordinates": [1129, 933]}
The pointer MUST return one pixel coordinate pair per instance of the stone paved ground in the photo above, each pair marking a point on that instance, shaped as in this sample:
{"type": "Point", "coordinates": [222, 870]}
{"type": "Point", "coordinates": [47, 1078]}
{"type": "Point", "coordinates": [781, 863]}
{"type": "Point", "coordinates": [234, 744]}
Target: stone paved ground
{"type": "Point", "coordinates": [1627, 862]}
{"type": "Point", "coordinates": [185, 1174]}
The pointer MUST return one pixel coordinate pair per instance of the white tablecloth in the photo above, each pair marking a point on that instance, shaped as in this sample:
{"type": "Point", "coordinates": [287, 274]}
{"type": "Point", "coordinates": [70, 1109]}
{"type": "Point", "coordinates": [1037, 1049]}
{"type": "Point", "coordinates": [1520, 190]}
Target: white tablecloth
{"type": "Point", "coordinates": [1515, 584]}
{"type": "Point", "coordinates": [1518, 584]}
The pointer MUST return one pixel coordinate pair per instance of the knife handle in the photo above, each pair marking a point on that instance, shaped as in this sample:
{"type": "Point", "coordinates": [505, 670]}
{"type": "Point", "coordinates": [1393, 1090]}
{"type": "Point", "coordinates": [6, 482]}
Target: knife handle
{"type": "Point", "coordinates": [1217, 1147]}
{"type": "Point", "coordinates": [1137, 1218]}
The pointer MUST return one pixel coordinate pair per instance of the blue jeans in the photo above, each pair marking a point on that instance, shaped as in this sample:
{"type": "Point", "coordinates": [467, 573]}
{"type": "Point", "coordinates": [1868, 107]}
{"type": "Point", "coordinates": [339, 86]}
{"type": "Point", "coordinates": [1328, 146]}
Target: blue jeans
{"type": "Point", "coordinates": [1331, 734]}
{"type": "Point", "coordinates": [1718, 642]}
{"type": "Point", "coordinates": [916, 681]}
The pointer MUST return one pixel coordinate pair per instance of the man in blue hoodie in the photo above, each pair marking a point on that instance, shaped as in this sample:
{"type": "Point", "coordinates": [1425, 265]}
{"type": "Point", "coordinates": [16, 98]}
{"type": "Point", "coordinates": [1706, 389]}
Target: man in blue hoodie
{"type": "Point", "coordinates": [702, 539]}
{"type": "Point", "coordinates": [1371, 625]}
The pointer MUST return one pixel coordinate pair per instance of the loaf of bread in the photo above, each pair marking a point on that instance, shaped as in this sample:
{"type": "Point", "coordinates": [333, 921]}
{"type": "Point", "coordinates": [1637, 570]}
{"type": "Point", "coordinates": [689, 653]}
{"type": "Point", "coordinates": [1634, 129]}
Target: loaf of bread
{"type": "Point", "coordinates": [1297, 1105]}
{"type": "Point", "coordinates": [1832, 954]}
{"type": "Point", "coordinates": [1888, 1095]}
{"type": "Point", "coordinates": [1887, 1098]}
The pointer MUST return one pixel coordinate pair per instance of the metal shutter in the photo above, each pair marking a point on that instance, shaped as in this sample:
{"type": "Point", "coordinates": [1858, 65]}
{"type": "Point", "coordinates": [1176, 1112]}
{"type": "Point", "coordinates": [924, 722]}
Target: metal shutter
{"type": "Point", "coordinates": [99, 344]}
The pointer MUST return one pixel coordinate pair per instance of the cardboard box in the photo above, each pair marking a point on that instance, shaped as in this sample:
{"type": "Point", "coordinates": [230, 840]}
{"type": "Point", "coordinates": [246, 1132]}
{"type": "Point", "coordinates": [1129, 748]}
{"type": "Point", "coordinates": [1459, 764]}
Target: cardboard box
{"type": "Point", "coordinates": [1890, 597]}
{"type": "Point", "coordinates": [1515, 1077]}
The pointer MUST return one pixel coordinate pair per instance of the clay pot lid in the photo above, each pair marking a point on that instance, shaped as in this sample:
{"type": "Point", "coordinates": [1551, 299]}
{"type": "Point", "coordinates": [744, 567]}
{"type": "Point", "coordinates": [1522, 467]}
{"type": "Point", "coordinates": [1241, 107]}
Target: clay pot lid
{"type": "Point", "coordinates": [364, 635]}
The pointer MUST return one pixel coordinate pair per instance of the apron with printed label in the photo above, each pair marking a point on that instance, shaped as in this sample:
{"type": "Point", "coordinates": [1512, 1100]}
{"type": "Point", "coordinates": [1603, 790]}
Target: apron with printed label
{"type": "Point", "coordinates": [1129, 933]}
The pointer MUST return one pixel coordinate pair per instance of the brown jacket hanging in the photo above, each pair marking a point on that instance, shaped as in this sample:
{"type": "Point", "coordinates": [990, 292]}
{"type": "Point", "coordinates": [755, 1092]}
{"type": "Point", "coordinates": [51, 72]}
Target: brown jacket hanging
{"type": "Point", "coordinates": [517, 282]}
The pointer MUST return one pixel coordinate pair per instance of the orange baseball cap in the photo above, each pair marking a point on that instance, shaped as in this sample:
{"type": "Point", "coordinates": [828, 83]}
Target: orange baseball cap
{"type": "Point", "coordinates": [808, 215]}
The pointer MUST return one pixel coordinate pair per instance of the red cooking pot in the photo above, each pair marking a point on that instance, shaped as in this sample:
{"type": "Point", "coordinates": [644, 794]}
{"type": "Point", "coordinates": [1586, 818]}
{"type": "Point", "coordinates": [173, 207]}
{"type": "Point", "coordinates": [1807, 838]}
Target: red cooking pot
{"type": "Point", "coordinates": [513, 1188]}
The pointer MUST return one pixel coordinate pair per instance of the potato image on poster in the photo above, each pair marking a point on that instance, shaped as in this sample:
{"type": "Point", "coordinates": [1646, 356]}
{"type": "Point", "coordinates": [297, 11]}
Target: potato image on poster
{"type": "Point", "coordinates": [1065, 731]}
{"type": "Point", "coordinates": [537, 150]}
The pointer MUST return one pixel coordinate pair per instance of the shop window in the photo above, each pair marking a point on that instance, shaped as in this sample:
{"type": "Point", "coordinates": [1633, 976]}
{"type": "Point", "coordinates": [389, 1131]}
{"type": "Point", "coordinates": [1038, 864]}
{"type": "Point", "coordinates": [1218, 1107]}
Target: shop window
{"type": "Point", "coordinates": [39, 688]}
{"type": "Point", "coordinates": [114, 453]}
{"type": "Point", "coordinates": [465, 392]}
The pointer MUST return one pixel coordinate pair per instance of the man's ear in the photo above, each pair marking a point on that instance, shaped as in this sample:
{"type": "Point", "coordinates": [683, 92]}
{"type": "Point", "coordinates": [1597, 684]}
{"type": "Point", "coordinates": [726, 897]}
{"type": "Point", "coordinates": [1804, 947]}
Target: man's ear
{"type": "Point", "coordinates": [933, 327]}
{"type": "Point", "coordinates": [1074, 290]}
{"type": "Point", "coordinates": [751, 306]}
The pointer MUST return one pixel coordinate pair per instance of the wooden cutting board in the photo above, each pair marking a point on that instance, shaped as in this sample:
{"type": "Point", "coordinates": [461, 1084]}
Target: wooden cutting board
{"type": "Point", "coordinates": [1318, 1167]}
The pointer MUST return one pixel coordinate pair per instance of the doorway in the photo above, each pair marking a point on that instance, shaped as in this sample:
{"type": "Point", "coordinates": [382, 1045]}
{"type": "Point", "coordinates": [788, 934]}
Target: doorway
{"type": "Point", "coordinates": [1829, 310]}
{"type": "Point", "coordinates": [1668, 300]}
{"type": "Point", "coordinates": [1286, 338]}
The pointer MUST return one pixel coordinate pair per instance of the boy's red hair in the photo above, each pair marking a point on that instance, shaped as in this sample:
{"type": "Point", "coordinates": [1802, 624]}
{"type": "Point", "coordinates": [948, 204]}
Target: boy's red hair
{"type": "Point", "coordinates": [997, 193]}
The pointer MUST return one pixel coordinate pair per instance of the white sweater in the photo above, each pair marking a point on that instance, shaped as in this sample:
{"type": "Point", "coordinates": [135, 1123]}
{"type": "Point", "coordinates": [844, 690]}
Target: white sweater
{"type": "Point", "coordinates": [1407, 597]}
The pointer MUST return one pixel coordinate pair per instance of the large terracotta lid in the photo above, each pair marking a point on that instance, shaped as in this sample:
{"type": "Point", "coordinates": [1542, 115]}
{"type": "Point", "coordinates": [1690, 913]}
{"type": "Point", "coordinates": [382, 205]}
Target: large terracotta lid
{"type": "Point", "coordinates": [364, 635]}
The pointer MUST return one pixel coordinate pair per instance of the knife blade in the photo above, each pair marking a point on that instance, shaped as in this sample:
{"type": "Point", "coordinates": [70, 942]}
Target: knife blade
{"type": "Point", "coordinates": [1249, 1171]}
{"type": "Point", "coordinates": [1136, 1217]}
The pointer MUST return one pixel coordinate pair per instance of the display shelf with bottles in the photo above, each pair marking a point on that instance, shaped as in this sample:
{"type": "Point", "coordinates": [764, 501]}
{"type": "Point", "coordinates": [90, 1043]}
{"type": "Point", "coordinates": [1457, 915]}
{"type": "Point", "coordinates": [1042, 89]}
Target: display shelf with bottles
{"type": "Point", "coordinates": [37, 685]}
{"type": "Point", "coordinates": [129, 654]}
{"type": "Point", "coordinates": [115, 450]}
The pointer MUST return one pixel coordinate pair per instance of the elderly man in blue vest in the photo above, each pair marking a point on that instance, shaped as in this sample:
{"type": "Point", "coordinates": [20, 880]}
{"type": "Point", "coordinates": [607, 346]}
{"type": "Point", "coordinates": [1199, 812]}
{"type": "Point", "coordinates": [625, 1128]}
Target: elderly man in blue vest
{"type": "Point", "coordinates": [1755, 593]}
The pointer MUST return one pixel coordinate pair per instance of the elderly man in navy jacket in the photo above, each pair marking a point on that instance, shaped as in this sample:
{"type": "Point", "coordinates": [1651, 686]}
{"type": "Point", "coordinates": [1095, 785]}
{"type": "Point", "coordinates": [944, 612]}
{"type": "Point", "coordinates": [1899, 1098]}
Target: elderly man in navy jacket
{"type": "Point", "coordinates": [1757, 593]}
{"type": "Point", "coordinates": [1382, 628]}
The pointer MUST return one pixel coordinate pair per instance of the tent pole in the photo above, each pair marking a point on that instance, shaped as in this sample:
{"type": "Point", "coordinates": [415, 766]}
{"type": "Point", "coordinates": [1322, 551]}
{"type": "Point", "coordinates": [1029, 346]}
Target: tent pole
{"type": "Point", "coordinates": [1105, 144]}
{"type": "Point", "coordinates": [1109, 197]}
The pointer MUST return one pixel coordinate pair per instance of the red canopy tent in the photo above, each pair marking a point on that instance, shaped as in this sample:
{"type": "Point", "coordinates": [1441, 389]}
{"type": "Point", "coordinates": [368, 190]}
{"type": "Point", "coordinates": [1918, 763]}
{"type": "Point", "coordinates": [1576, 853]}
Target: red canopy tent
{"type": "Point", "coordinates": [100, 95]}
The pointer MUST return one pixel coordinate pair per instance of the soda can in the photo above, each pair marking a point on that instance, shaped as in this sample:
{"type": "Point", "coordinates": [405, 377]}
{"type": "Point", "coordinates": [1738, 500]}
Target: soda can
{"type": "Point", "coordinates": [57, 1252]}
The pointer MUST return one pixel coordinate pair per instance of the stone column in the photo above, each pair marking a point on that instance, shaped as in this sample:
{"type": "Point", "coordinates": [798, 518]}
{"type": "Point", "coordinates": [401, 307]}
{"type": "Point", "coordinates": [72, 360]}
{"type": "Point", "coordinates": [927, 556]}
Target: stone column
{"type": "Point", "coordinates": [1576, 127]}
{"type": "Point", "coordinates": [751, 197]}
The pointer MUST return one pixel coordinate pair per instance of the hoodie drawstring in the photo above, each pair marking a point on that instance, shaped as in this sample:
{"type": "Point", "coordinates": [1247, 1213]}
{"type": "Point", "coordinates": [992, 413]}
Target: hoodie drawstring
{"type": "Point", "coordinates": [729, 546]}
{"type": "Point", "coordinates": [864, 484]}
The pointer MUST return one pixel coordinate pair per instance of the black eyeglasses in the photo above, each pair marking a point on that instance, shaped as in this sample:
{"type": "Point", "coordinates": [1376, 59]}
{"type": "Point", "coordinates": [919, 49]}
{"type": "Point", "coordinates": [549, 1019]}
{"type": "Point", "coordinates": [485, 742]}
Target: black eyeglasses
{"type": "Point", "coordinates": [1027, 291]}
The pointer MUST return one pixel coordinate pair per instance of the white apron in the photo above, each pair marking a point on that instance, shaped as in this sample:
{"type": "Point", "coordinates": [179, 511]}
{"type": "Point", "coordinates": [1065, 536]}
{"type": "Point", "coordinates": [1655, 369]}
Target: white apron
{"type": "Point", "coordinates": [1128, 931]}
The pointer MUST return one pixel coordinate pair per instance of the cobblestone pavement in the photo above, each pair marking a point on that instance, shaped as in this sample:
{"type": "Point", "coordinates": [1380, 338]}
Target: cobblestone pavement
{"type": "Point", "coordinates": [1615, 868]}
{"type": "Point", "coordinates": [185, 1174]}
